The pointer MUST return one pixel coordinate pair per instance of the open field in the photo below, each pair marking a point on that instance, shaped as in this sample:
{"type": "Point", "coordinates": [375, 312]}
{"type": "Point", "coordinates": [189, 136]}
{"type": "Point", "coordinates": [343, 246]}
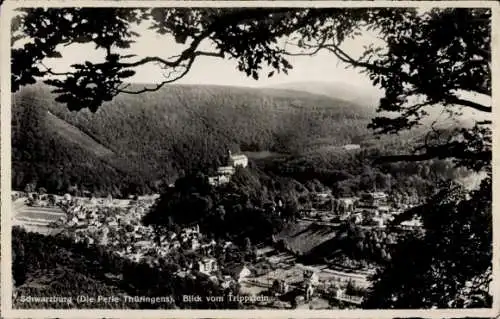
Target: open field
{"type": "Point", "coordinates": [39, 213]}
{"type": "Point", "coordinates": [35, 219]}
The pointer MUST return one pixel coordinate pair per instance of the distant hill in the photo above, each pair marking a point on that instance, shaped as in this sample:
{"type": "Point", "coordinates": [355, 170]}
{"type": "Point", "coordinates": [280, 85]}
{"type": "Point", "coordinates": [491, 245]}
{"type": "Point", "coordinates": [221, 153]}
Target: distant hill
{"type": "Point", "coordinates": [367, 98]}
{"type": "Point", "coordinates": [137, 142]}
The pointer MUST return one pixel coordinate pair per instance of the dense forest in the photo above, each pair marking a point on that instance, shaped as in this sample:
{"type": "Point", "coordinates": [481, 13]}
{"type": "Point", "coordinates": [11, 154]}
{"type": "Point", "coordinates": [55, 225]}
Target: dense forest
{"type": "Point", "coordinates": [353, 172]}
{"type": "Point", "coordinates": [246, 207]}
{"type": "Point", "coordinates": [139, 143]}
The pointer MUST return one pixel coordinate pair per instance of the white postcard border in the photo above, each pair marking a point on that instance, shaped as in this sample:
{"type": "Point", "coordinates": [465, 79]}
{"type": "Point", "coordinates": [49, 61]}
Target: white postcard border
{"type": "Point", "coordinates": [6, 11]}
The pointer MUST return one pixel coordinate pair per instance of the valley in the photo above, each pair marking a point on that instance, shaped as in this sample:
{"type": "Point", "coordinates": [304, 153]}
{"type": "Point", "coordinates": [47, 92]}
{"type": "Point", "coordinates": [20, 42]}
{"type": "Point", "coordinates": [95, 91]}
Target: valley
{"type": "Point", "coordinates": [279, 216]}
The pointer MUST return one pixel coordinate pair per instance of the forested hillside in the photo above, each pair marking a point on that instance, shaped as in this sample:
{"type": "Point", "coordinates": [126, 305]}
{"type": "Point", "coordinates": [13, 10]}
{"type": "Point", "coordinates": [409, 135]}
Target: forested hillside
{"type": "Point", "coordinates": [139, 142]}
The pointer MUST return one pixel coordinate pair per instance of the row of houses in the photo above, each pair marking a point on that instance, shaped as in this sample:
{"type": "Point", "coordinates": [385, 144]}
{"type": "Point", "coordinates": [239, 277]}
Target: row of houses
{"type": "Point", "coordinates": [311, 285]}
{"type": "Point", "coordinates": [120, 229]}
{"type": "Point", "coordinates": [370, 209]}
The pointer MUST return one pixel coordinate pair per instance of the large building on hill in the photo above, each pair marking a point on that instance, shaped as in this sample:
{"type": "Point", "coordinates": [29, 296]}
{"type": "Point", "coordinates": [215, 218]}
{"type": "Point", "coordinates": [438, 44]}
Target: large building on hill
{"type": "Point", "coordinates": [224, 173]}
{"type": "Point", "coordinates": [237, 160]}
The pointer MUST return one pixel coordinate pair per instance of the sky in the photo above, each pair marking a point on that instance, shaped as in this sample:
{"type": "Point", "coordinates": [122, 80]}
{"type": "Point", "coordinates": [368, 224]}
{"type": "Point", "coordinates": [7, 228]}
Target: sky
{"type": "Point", "coordinates": [324, 67]}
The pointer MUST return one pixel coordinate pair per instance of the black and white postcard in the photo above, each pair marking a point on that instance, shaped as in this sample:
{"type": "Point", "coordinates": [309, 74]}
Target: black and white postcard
{"type": "Point", "coordinates": [248, 159]}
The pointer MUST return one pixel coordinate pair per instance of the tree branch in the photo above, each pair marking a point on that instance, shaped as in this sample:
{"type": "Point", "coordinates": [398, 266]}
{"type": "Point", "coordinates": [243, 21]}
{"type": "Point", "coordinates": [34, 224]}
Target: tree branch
{"type": "Point", "coordinates": [49, 71]}
{"type": "Point", "coordinates": [181, 75]}
{"type": "Point", "coordinates": [222, 22]}
{"type": "Point", "coordinates": [474, 105]}
{"type": "Point", "coordinates": [315, 51]}
{"type": "Point", "coordinates": [481, 91]}
{"type": "Point", "coordinates": [451, 100]}
{"type": "Point", "coordinates": [159, 85]}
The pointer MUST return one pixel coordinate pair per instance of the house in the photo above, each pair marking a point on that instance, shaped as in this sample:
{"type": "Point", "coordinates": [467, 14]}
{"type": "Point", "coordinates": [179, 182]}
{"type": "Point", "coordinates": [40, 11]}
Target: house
{"type": "Point", "coordinates": [237, 160]}
{"type": "Point", "coordinates": [207, 247]}
{"type": "Point", "coordinates": [238, 272]}
{"type": "Point", "coordinates": [81, 215]}
{"type": "Point", "coordinates": [379, 195]}
{"type": "Point", "coordinates": [280, 287]}
{"type": "Point", "coordinates": [414, 223]}
{"type": "Point", "coordinates": [137, 236]}
{"type": "Point", "coordinates": [357, 218]}
{"type": "Point", "coordinates": [207, 266]}
{"type": "Point", "coordinates": [195, 244]}
{"type": "Point", "coordinates": [218, 180]}
{"type": "Point", "coordinates": [213, 180]}
{"type": "Point", "coordinates": [227, 282]}
{"type": "Point", "coordinates": [322, 196]}
{"type": "Point", "coordinates": [339, 293]}
{"type": "Point", "coordinates": [311, 277]}
{"type": "Point", "coordinates": [172, 235]}
{"type": "Point", "coordinates": [384, 209]}
{"type": "Point", "coordinates": [347, 203]}
{"type": "Point", "coordinates": [225, 170]}
{"type": "Point", "coordinates": [378, 221]}
{"type": "Point", "coordinates": [103, 239]}
{"type": "Point", "coordinates": [375, 198]}
{"type": "Point", "coordinates": [349, 147]}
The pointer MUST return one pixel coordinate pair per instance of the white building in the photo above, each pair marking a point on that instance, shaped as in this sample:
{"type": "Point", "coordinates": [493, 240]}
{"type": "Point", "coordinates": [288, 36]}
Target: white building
{"type": "Point", "coordinates": [238, 160]}
{"type": "Point", "coordinates": [218, 180]}
{"type": "Point", "coordinates": [379, 221]}
{"type": "Point", "coordinates": [414, 223]}
{"type": "Point", "coordinates": [207, 266]}
{"type": "Point", "coordinates": [349, 147]}
{"type": "Point", "coordinates": [225, 170]}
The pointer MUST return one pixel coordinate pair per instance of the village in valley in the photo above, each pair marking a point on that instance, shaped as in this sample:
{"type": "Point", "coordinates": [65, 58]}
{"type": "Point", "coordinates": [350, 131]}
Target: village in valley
{"type": "Point", "coordinates": [116, 224]}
